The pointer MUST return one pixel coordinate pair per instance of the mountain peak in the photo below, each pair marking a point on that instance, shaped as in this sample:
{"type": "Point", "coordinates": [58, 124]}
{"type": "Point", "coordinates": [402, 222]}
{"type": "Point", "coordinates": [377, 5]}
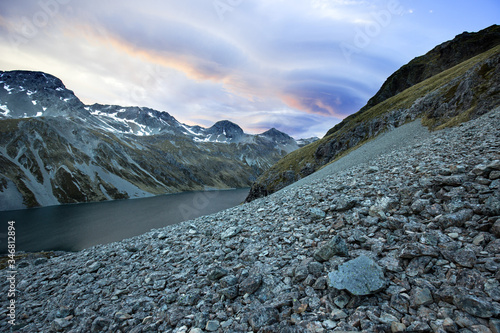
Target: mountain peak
{"type": "Point", "coordinates": [274, 133]}
{"type": "Point", "coordinates": [31, 79]}
{"type": "Point", "coordinates": [25, 94]}
{"type": "Point", "coordinates": [227, 128]}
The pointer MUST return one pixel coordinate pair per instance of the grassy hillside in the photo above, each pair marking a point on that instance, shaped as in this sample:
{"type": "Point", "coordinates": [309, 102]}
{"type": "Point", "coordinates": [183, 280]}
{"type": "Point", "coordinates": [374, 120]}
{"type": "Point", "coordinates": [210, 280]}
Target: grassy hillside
{"type": "Point", "coordinates": [440, 58]}
{"type": "Point", "coordinates": [465, 91]}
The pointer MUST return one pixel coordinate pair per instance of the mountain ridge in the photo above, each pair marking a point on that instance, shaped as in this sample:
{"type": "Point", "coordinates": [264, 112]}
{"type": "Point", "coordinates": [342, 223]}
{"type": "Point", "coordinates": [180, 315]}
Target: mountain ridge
{"type": "Point", "coordinates": [54, 149]}
{"type": "Point", "coordinates": [462, 92]}
{"type": "Point", "coordinates": [440, 58]}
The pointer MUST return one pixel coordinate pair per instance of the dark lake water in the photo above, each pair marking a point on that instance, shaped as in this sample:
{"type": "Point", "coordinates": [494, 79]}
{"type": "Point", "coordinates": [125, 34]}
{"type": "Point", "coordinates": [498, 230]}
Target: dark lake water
{"type": "Point", "coordinates": [76, 227]}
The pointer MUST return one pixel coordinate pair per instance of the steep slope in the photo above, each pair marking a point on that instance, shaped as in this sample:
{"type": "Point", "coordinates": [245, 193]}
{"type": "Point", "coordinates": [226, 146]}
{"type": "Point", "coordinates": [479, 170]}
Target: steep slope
{"type": "Point", "coordinates": [460, 93]}
{"type": "Point", "coordinates": [426, 226]}
{"type": "Point", "coordinates": [439, 59]}
{"type": "Point", "coordinates": [54, 149]}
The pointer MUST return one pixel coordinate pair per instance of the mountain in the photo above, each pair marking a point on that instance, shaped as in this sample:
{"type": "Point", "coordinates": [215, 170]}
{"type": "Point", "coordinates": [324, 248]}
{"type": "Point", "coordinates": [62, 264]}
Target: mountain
{"type": "Point", "coordinates": [456, 81]}
{"type": "Point", "coordinates": [54, 149]}
{"type": "Point", "coordinates": [305, 142]}
{"type": "Point", "coordinates": [439, 59]}
{"type": "Point", "coordinates": [226, 131]}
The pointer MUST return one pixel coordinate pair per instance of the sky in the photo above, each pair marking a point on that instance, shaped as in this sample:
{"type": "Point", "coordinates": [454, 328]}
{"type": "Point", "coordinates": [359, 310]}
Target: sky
{"type": "Point", "coordinates": [300, 66]}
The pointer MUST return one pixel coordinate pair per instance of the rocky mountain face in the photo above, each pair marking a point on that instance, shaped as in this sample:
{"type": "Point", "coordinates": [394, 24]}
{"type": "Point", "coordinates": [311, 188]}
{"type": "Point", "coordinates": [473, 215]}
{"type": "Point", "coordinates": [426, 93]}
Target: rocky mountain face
{"type": "Point", "coordinates": [432, 87]}
{"type": "Point", "coordinates": [439, 59]}
{"type": "Point", "coordinates": [409, 242]}
{"type": "Point", "coordinates": [54, 149]}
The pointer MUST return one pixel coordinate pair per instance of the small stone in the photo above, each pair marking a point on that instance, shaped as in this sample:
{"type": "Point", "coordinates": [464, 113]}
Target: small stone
{"type": "Point", "coordinates": [419, 327]}
{"type": "Point", "coordinates": [480, 329]}
{"type": "Point", "coordinates": [493, 247]}
{"type": "Point", "coordinates": [421, 297]}
{"type": "Point", "coordinates": [147, 320]}
{"type": "Point", "coordinates": [315, 268]}
{"type": "Point", "coordinates": [170, 298]}
{"type": "Point", "coordinates": [400, 303]}
{"type": "Point", "coordinates": [122, 316]}
{"type": "Point", "coordinates": [314, 327]}
{"type": "Point", "coordinates": [495, 325]}
{"type": "Point", "coordinates": [195, 330]}
{"type": "Point", "coordinates": [329, 324]}
{"type": "Point", "coordinates": [455, 219]}
{"type": "Point", "coordinates": [190, 298]}
{"type": "Point", "coordinates": [398, 327]}
{"type": "Point", "coordinates": [492, 288]}
{"type": "Point", "coordinates": [229, 280]}
{"type": "Point", "coordinates": [464, 257]}
{"type": "Point", "coordinates": [492, 205]}
{"type": "Point", "coordinates": [64, 312]}
{"type": "Point", "coordinates": [283, 300]}
{"type": "Point", "coordinates": [476, 306]}
{"type": "Point", "coordinates": [449, 325]}
{"type": "Point", "coordinates": [453, 235]}
{"type": "Point", "coordinates": [494, 175]}
{"type": "Point", "coordinates": [478, 240]}
{"type": "Point", "coordinates": [434, 209]}
{"type": "Point", "coordinates": [338, 314]}
{"type": "Point", "coordinates": [216, 273]}
{"type": "Point", "coordinates": [464, 321]}
{"type": "Point", "coordinates": [225, 324]}
{"type": "Point", "coordinates": [300, 273]}
{"type": "Point", "coordinates": [212, 325]}
{"type": "Point", "coordinates": [360, 276]}
{"type": "Point", "coordinates": [336, 246]}
{"type": "Point", "coordinates": [481, 170]}
{"type": "Point", "coordinates": [391, 264]}
{"type": "Point", "coordinates": [321, 283]}
{"type": "Point", "coordinates": [182, 329]}
{"type": "Point", "coordinates": [413, 250]}
{"type": "Point", "coordinates": [230, 232]}
{"type": "Point", "coordinates": [387, 318]}
{"type": "Point", "coordinates": [495, 165]}
{"type": "Point", "coordinates": [100, 324]}
{"type": "Point", "coordinates": [60, 324]}
{"type": "Point", "coordinates": [250, 284]}
{"type": "Point", "coordinates": [316, 213]}
{"type": "Point", "coordinates": [94, 267]}
{"type": "Point", "coordinates": [264, 316]}
{"type": "Point", "coordinates": [230, 292]}
{"type": "Point", "coordinates": [382, 206]}
{"type": "Point", "coordinates": [495, 229]}
{"type": "Point", "coordinates": [343, 204]}
{"type": "Point", "coordinates": [342, 300]}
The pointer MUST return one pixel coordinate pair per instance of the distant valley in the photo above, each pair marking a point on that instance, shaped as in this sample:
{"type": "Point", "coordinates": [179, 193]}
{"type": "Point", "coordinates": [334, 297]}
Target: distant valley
{"type": "Point", "coordinates": [56, 150]}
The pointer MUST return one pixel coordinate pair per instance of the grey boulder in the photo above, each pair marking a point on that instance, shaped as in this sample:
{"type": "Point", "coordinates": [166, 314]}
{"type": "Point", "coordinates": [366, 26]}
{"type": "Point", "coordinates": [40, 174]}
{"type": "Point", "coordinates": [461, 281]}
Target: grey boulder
{"type": "Point", "coordinates": [360, 276]}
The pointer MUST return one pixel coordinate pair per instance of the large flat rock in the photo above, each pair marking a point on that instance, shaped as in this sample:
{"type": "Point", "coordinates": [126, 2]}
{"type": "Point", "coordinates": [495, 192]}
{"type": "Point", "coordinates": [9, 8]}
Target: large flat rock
{"type": "Point", "coordinates": [360, 276]}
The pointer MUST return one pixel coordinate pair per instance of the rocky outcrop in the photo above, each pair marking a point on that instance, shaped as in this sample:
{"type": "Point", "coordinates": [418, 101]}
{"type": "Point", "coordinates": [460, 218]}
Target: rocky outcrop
{"type": "Point", "coordinates": [457, 94]}
{"type": "Point", "coordinates": [439, 59]}
{"type": "Point", "coordinates": [424, 219]}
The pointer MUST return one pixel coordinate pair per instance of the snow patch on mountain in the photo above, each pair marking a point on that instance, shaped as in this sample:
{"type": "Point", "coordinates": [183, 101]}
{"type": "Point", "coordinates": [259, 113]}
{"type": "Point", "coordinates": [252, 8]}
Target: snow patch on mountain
{"type": "Point", "coordinates": [4, 110]}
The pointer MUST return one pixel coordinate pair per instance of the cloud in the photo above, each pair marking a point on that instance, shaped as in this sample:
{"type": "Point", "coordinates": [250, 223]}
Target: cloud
{"type": "Point", "coordinates": [259, 63]}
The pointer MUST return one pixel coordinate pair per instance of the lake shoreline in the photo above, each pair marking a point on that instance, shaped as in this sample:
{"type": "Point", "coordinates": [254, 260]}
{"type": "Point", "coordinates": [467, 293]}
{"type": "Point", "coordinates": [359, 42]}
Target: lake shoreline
{"type": "Point", "coordinates": [74, 227]}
